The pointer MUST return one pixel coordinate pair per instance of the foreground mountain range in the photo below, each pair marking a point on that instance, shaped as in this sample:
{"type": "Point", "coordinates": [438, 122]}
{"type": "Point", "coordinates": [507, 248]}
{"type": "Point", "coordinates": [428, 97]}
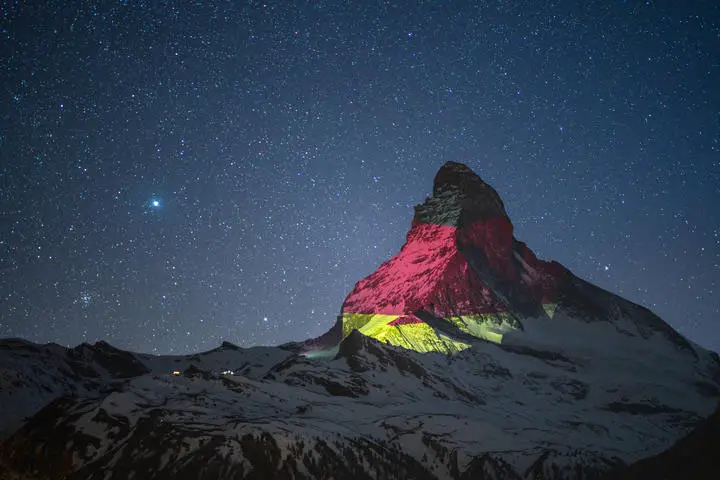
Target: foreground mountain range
{"type": "Point", "coordinates": [462, 357]}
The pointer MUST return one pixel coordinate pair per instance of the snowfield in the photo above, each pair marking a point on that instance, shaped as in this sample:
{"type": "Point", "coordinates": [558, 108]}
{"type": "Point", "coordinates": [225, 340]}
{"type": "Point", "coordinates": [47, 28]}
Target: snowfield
{"type": "Point", "coordinates": [549, 407]}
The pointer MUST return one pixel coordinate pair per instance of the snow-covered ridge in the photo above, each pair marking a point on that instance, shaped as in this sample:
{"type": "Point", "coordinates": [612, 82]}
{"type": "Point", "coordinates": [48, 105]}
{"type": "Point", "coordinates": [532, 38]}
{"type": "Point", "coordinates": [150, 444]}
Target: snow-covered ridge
{"type": "Point", "coordinates": [520, 411]}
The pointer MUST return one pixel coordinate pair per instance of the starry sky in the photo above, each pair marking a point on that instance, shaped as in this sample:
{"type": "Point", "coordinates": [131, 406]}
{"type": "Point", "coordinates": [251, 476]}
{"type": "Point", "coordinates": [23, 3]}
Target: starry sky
{"type": "Point", "coordinates": [174, 174]}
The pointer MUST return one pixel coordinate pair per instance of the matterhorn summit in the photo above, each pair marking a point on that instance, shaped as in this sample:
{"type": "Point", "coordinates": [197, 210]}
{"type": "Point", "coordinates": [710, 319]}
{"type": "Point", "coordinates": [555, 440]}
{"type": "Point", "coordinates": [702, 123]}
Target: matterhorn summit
{"type": "Point", "coordinates": [461, 275]}
{"type": "Point", "coordinates": [463, 356]}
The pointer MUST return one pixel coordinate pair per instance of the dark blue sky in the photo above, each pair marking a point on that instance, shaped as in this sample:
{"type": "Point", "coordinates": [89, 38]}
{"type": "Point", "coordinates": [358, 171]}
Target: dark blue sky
{"type": "Point", "coordinates": [284, 144]}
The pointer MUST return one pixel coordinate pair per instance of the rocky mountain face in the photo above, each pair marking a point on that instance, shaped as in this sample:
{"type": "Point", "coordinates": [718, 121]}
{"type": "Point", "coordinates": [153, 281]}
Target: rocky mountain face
{"type": "Point", "coordinates": [461, 276]}
{"type": "Point", "coordinates": [462, 357]}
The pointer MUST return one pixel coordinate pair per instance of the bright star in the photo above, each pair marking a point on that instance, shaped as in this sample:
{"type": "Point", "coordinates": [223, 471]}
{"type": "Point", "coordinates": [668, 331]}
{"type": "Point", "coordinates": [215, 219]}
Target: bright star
{"type": "Point", "coordinates": [155, 203]}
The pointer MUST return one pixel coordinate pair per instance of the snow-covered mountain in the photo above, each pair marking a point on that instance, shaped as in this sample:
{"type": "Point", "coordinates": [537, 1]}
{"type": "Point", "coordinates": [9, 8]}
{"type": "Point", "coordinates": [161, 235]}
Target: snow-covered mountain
{"type": "Point", "coordinates": [693, 457]}
{"type": "Point", "coordinates": [463, 357]}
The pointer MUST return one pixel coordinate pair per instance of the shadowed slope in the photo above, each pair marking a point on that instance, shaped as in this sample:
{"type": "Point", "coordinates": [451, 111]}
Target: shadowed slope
{"type": "Point", "coordinates": [693, 457]}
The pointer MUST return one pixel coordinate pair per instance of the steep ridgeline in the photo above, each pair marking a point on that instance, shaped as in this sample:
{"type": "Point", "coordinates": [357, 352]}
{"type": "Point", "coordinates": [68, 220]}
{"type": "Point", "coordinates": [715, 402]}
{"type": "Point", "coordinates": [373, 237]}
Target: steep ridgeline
{"type": "Point", "coordinates": [462, 276]}
{"type": "Point", "coordinates": [462, 357]}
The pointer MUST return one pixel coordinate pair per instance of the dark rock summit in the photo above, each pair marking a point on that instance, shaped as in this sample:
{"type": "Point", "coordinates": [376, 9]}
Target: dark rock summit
{"type": "Point", "coordinates": [459, 198]}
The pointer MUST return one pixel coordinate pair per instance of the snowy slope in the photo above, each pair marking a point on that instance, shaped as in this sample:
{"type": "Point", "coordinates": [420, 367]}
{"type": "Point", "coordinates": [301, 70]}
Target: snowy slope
{"type": "Point", "coordinates": [694, 456]}
{"type": "Point", "coordinates": [371, 411]}
{"type": "Point", "coordinates": [31, 375]}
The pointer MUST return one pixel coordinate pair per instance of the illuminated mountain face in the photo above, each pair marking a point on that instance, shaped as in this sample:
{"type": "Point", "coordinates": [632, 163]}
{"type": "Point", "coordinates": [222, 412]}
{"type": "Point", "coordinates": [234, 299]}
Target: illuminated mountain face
{"type": "Point", "coordinates": [461, 275]}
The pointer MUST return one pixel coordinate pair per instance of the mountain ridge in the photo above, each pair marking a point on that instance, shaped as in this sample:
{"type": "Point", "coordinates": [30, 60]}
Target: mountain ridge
{"type": "Point", "coordinates": [352, 375]}
{"type": "Point", "coordinates": [462, 357]}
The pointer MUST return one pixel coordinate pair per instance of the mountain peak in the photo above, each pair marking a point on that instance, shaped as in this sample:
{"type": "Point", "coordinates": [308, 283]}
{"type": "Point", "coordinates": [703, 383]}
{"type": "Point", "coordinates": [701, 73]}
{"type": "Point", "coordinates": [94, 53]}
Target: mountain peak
{"type": "Point", "coordinates": [454, 175]}
{"type": "Point", "coordinates": [460, 197]}
{"type": "Point", "coordinates": [461, 275]}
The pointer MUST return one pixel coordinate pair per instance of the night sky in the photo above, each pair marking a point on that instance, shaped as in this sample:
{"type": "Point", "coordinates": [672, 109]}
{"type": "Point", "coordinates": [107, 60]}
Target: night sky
{"type": "Point", "coordinates": [176, 174]}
